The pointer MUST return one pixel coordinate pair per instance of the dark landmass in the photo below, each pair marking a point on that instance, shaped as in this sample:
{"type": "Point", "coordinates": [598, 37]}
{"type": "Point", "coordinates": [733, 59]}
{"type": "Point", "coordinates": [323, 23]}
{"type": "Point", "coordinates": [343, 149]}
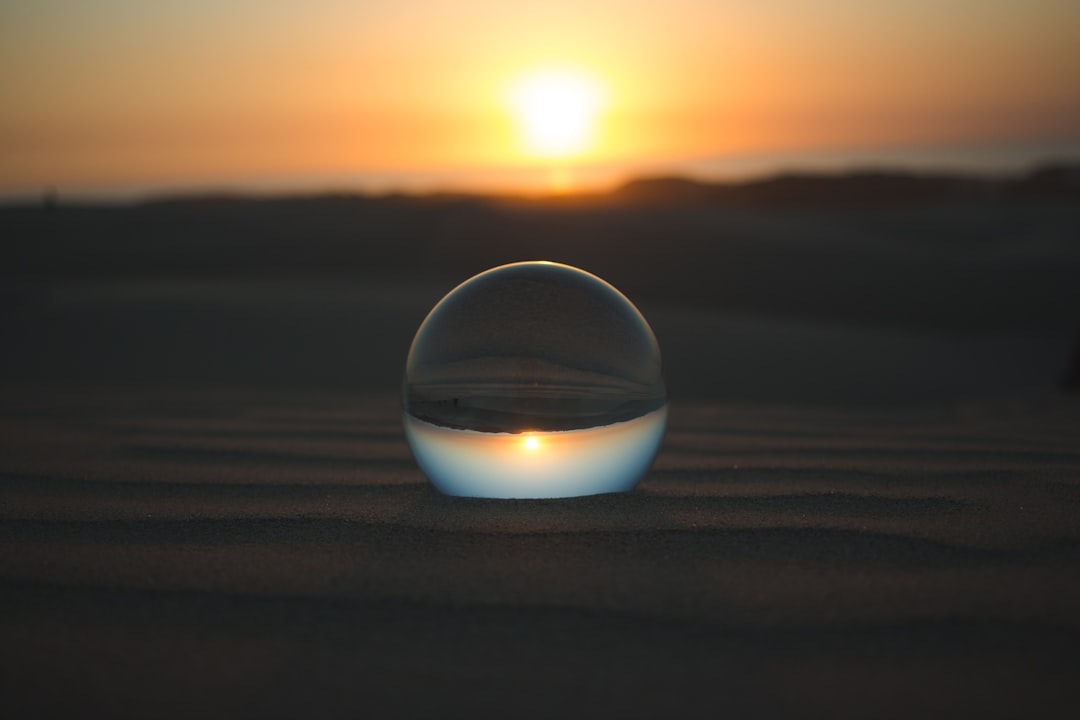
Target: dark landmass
{"type": "Point", "coordinates": [880, 248]}
{"type": "Point", "coordinates": [874, 281]}
{"type": "Point", "coordinates": [867, 503]}
{"type": "Point", "coordinates": [860, 190]}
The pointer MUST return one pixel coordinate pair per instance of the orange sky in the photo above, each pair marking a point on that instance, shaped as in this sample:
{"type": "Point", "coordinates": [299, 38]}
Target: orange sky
{"type": "Point", "coordinates": [122, 91]}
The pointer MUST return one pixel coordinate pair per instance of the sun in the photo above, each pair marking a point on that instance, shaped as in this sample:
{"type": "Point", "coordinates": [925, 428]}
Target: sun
{"type": "Point", "coordinates": [556, 109]}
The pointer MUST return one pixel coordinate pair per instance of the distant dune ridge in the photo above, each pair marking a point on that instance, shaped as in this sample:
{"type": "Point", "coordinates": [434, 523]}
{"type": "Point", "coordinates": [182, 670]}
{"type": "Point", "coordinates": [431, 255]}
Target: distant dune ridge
{"type": "Point", "coordinates": [858, 189]}
{"type": "Point", "coordinates": [892, 248]}
{"type": "Point", "coordinates": [831, 289]}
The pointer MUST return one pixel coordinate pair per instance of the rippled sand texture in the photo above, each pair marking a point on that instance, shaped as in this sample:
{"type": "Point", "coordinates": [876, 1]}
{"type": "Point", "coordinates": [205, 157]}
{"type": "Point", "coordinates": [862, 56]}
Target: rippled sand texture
{"type": "Point", "coordinates": [277, 553]}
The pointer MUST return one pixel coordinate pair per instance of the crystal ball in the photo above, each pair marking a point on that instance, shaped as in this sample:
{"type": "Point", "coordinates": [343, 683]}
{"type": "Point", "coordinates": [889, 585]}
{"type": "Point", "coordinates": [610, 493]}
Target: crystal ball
{"type": "Point", "coordinates": [534, 380]}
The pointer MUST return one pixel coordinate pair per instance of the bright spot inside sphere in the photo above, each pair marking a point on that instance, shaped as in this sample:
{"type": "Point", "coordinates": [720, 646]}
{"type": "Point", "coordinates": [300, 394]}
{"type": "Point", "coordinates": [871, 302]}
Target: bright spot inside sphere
{"type": "Point", "coordinates": [534, 380]}
{"type": "Point", "coordinates": [556, 110]}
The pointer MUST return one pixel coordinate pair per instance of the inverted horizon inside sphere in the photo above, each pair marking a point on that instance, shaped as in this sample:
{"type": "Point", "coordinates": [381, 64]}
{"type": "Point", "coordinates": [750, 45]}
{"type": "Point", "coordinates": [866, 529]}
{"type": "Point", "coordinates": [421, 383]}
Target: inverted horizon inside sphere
{"type": "Point", "coordinates": [546, 352]}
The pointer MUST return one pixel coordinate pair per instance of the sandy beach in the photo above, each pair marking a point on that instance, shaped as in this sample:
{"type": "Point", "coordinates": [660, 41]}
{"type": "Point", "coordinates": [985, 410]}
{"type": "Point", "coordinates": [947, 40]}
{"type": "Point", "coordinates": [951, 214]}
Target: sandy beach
{"type": "Point", "coordinates": [863, 506]}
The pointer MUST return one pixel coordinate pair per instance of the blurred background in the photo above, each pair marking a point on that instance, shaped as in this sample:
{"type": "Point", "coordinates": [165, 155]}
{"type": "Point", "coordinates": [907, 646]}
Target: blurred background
{"type": "Point", "coordinates": [813, 202]}
{"type": "Point", "coordinates": [120, 98]}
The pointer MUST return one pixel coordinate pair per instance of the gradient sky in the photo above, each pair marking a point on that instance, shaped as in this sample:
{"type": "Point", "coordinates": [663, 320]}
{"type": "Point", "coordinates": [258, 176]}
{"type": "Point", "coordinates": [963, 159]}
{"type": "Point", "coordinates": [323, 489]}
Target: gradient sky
{"type": "Point", "coordinates": [129, 91]}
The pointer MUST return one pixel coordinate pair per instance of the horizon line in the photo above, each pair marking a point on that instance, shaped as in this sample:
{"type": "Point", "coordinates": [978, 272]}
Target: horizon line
{"type": "Point", "coordinates": [987, 159]}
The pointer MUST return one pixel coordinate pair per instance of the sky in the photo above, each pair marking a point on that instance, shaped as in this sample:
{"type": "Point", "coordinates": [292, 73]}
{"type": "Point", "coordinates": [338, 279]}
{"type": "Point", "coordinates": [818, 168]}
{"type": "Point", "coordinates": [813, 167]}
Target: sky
{"type": "Point", "coordinates": [117, 93]}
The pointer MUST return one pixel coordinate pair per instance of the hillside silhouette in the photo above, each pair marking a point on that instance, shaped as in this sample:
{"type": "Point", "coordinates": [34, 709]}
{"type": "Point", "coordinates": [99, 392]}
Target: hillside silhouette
{"type": "Point", "coordinates": [871, 247]}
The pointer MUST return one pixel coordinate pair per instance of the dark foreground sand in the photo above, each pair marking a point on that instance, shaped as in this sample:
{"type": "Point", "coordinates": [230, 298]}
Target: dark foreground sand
{"type": "Point", "coordinates": [273, 554]}
{"type": "Point", "coordinates": [207, 507]}
{"type": "Point", "coordinates": [189, 548]}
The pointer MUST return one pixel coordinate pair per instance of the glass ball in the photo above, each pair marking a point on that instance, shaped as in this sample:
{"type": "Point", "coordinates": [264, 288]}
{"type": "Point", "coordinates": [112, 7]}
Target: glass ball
{"type": "Point", "coordinates": [534, 380]}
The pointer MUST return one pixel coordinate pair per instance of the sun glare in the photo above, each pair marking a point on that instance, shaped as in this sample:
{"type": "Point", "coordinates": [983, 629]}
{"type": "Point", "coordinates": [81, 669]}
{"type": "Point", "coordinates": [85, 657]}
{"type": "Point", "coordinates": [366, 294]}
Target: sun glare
{"type": "Point", "coordinates": [531, 442]}
{"type": "Point", "coordinates": [556, 110]}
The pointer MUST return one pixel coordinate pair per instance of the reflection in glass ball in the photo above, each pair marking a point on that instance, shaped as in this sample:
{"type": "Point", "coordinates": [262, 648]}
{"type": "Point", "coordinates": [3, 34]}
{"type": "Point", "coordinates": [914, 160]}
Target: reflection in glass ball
{"type": "Point", "coordinates": [534, 380]}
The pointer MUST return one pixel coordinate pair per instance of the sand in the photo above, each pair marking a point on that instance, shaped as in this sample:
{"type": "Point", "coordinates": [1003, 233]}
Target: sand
{"type": "Point", "coordinates": [207, 508]}
{"type": "Point", "coordinates": [271, 554]}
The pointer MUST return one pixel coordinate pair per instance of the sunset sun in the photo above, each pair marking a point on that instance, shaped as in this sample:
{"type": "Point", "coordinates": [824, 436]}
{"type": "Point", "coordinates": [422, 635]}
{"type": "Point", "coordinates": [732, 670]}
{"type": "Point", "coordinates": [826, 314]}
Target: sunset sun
{"type": "Point", "coordinates": [556, 111]}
